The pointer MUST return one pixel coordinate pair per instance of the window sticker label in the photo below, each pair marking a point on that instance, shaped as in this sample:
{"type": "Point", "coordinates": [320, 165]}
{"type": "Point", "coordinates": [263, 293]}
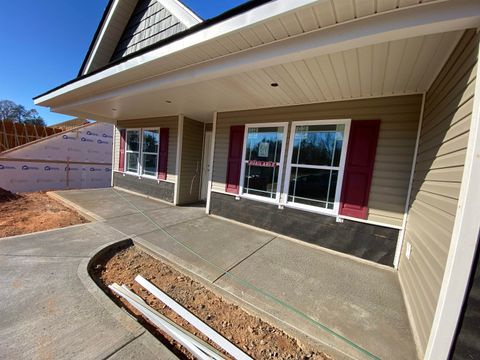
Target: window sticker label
{"type": "Point", "coordinates": [263, 149]}
{"type": "Point", "coordinates": [262, 163]}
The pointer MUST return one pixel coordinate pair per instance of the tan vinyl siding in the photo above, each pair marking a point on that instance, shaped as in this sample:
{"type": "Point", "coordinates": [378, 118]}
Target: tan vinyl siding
{"type": "Point", "coordinates": [191, 170]}
{"type": "Point", "coordinates": [399, 117]}
{"type": "Point", "coordinates": [436, 186]}
{"type": "Point", "coordinates": [170, 122]}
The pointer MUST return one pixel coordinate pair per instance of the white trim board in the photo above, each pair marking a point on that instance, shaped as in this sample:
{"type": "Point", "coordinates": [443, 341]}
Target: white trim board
{"type": "Point", "coordinates": [181, 12]}
{"type": "Point", "coordinates": [465, 237]}
{"type": "Point", "coordinates": [401, 235]}
{"type": "Point", "coordinates": [99, 39]}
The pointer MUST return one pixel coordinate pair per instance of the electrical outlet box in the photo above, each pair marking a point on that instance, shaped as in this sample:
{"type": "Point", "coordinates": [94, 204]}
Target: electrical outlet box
{"type": "Point", "coordinates": [408, 250]}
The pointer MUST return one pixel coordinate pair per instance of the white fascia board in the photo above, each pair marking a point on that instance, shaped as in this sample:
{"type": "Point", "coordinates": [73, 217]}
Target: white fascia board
{"type": "Point", "coordinates": [411, 22]}
{"type": "Point", "coordinates": [181, 12]}
{"type": "Point", "coordinates": [461, 255]}
{"type": "Point", "coordinates": [244, 20]}
{"type": "Point", "coordinates": [98, 41]}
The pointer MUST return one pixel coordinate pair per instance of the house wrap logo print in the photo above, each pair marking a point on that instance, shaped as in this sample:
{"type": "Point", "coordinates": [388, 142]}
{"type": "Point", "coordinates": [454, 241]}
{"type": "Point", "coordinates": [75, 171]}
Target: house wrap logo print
{"type": "Point", "coordinates": [86, 140]}
{"type": "Point", "coordinates": [7, 167]}
{"type": "Point", "coordinates": [26, 168]}
{"type": "Point", "coordinates": [66, 137]}
{"type": "Point", "coordinates": [50, 168]}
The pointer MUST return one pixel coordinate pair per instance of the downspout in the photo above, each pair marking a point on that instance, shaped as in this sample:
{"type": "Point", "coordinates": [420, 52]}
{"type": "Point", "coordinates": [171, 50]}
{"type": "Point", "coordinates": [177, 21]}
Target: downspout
{"type": "Point", "coordinates": [401, 234]}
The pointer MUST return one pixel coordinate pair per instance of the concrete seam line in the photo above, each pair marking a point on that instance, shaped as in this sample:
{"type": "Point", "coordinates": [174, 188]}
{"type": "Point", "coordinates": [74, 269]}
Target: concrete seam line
{"type": "Point", "coordinates": [245, 258]}
{"type": "Point", "coordinates": [46, 256]}
{"type": "Point", "coordinates": [124, 345]}
{"type": "Point", "coordinates": [193, 344]}
{"type": "Point", "coordinates": [193, 320]}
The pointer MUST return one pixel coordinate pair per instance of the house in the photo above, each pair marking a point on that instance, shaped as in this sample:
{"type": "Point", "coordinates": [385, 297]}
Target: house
{"type": "Point", "coordinates": [353, 125]}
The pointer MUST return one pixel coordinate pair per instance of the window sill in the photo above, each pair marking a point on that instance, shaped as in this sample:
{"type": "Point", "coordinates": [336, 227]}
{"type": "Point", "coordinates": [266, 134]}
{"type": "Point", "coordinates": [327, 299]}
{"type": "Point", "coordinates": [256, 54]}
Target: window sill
{"type": "Point", "coordinates": [311, 209]}
{"type": "Point", "coordinates": [260, 199]}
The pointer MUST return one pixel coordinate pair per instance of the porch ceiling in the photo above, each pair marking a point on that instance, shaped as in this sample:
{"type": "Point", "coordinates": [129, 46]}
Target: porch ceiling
{"type": "Point", "coordinates": [315, 50]}
{"type": "Point", "coordinates": [391, 68]}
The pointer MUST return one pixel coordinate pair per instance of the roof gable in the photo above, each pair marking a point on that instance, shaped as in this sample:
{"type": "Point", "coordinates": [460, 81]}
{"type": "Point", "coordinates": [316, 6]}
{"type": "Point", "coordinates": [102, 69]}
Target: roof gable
{"type": "Point", "coordinates": [130, 25]}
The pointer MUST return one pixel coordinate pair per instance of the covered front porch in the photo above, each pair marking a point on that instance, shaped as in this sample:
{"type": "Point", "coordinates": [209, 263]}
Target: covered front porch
{"type": "Point", "coordinates": [350, 308]}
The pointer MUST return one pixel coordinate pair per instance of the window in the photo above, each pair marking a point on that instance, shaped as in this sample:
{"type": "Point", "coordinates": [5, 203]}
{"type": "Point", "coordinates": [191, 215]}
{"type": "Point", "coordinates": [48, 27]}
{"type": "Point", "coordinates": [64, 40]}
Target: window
{"type": "Point", "coordinates": [262, 160]}
{"type": "Point", "coordinates": [132, 150]}
{"type": "Point", "coordinates": [150, 152]}
{"type": "Point", "coordinates": [315, 165]}
{"type": "Point", "coordinates": [141, 151]}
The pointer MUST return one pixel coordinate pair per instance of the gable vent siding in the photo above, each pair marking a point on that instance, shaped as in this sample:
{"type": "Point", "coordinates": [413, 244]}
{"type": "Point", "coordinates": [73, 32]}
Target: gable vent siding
{"type": "Point", "coordinates": [150, 22]}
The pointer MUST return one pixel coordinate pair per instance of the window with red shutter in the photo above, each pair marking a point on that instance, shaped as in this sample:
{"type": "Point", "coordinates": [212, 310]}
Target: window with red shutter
{"type": "Point", "coordinates": [163, 154]}
{"type": "Point", "coordinates": [235, 150]}
{"type": "Point", "coordinates": [357, 179]}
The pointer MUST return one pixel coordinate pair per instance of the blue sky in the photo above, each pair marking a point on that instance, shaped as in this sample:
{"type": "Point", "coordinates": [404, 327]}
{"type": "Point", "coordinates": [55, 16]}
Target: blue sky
{"type": "Point", "coordinates": [43, 43]}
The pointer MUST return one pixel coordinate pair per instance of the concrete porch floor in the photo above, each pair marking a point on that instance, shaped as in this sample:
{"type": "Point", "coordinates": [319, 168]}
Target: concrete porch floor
{"type": "Point", "coordinates": [301, 288]}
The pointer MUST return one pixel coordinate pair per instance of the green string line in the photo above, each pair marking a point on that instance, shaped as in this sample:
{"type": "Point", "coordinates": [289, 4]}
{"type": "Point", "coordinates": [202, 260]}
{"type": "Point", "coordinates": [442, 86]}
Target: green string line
{"type": "Point", "coordinates": [253, 287]}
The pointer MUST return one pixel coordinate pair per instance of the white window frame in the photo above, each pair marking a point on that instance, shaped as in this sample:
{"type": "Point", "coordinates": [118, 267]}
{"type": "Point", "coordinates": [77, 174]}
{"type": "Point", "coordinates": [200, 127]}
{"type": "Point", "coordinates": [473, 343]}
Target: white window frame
{"type": "Point", "coordinates": [341, 167]}
{"type": "Point", "coordinates": [140, 165]}
{"type": "Point", "coordinates": [277, 198]}
{"type": "Point", "coordinates": [140, 153]}
{"type": "Point", "coordinates": [126, 151]}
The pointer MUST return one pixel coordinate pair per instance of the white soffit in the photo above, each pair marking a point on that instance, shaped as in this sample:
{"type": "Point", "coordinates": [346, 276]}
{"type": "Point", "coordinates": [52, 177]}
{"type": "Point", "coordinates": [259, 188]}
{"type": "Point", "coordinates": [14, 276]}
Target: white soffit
{"type": "Point", "coordinates": [266, 24]}
{"type": "Point", "coordinates": [400, 67]}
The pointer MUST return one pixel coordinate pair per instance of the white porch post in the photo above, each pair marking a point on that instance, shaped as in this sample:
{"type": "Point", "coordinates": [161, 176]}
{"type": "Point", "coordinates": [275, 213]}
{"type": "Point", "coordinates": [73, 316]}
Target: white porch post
{"type": "Point", "coordinates": [210, 170]}
{"type": "Point", "coordinates": [462, 247]}
{"type": "Point", "coordinates": [115, 129]}
{"type": "Point", "coordinates": [178, 163]}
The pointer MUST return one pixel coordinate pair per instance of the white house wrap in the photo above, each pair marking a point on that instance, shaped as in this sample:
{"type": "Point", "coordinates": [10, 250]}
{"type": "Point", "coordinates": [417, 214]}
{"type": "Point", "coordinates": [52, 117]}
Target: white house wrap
{"type": "Point", "coordinates": [80, 158]}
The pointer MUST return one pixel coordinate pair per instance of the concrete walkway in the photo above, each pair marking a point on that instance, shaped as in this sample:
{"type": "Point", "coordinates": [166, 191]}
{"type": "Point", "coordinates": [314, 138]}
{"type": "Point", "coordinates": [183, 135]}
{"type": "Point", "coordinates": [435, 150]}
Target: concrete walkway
{"type": "Point", "coordinates": [354, 309]}
{"type": "Point", "coordinates": [51, 309]}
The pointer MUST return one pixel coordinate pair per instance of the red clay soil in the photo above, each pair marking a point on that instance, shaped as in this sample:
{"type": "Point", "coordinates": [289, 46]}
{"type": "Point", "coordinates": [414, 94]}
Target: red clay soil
{"type": "Point", "coordinates": [257, 338]}
{"type": "Point", "coordinates": [25, 213]}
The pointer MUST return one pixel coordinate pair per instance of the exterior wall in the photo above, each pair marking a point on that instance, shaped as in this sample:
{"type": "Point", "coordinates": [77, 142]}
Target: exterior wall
{"type": "Point", "coordinates": [170, 122]}
{"type": "Point", "coordinates": [437, 180]}
{"type": "Point", "coordinates": [158, 189]}
{"type": "Point", "coordinates": [191, 169]}
{"type": "Point", "coordinates": [366, 241]}
{"type": "Point", "coordinates": [77, 159]}
{"type": "Point", "coordinates": [399, 123]}
{"type": "Point", "coordinates": [149, 23]}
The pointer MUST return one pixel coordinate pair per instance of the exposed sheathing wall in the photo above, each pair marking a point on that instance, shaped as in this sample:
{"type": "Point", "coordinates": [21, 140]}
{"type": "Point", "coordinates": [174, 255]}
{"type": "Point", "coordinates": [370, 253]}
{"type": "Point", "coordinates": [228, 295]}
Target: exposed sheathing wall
{"type": "Point", "coordinates": [399, 124]}
{"type": "Point", "coordinates": [191, 170]}
{"type": "Point", "coordinates": [170, 122]}
{"type": "Point", "coordinates": [438, 174]}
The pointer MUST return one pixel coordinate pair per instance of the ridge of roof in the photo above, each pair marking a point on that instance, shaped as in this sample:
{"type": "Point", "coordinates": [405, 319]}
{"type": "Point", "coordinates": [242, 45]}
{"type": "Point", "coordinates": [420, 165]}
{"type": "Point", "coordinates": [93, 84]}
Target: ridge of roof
{"type": "Point", "coordinates": [240, 9]}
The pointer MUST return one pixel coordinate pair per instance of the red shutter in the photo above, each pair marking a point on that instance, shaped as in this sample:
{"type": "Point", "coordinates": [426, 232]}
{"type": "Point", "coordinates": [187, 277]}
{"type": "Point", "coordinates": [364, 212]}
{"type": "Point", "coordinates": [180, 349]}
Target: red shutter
{"type": "Point", "coordinates": [163, 154]}
{"type": "Point", "coordinates": [234, 167]}
{"type": "Point", "coordinates": [121, 159]}
{"type": "Point", "coordinates": [357, 177]}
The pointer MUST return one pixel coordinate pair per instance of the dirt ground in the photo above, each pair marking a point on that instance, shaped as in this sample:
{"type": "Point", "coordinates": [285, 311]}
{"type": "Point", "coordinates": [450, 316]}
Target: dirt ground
{"type": "Point", "coordinates": [257, 338]}
{"type": "Point", "coordinates": [25, 213]}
